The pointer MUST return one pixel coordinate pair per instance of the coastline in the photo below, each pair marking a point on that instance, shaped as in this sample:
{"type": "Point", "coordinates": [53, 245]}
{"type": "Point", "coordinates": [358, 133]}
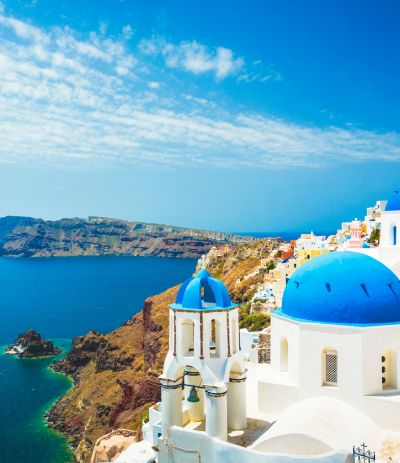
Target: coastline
{"type": "Point", "coordinates": [36, 422]}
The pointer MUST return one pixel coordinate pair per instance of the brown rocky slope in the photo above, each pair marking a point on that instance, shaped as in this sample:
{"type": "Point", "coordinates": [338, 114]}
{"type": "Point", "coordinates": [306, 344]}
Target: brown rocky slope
{"type": "Point", "coordinates": [115, 374]}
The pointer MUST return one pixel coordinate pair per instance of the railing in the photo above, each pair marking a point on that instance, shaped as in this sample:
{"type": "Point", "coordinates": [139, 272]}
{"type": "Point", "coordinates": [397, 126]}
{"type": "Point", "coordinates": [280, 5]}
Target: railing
{"type": "Point", "coordinates": [362, 455]}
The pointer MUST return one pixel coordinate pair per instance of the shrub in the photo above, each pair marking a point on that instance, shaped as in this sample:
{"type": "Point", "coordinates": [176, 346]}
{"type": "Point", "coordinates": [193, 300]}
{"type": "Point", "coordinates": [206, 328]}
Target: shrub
{"type": "Point", "coordinates": [145, 418]}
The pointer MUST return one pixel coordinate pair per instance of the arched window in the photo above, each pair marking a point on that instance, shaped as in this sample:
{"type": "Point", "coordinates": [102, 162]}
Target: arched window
{"type": "Point", "coordinates": [329, 367]}
{"type": "Point", "coordinates": [394, 235]}
{"type": "Point", "coordinates": [187, 330]}
{"type": "Point", "coordinates": [234, 332]}
{"type": "Point", "coordinates": [214, 339]}
{"type": "Point", "coordinates": [389, 373]}
{"type": "Point", "coordinates": [284, 354]}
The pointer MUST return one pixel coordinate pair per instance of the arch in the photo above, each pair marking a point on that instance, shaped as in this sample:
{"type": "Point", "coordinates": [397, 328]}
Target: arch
{"type": "Point", "coordinates": [193, 395]}
{"type": "Point", "coordinates": [234, 331]}
{"type": "Point", "coordinates": [388, 369]}
{"type": "Point", "coordinates": [329, 368]}
{"type": "Point", "coordinates": [284, 366]}
{"type": "Point", "coordinates": [187, 336]}
{"type": "Point", "coordinates": [215, 338]}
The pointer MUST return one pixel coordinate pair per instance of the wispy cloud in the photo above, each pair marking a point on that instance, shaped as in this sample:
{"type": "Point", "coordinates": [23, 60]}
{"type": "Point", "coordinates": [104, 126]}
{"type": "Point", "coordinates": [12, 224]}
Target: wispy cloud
{"type": "Point", "coordinates": [194, 57]}
{"type": "Point", "coordinates": [69, 100]}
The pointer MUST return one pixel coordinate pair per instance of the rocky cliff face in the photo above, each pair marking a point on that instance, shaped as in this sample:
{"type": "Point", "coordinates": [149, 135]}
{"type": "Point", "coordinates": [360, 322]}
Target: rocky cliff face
{"type": "Point", "coordinates": [26, 237]}
{"type": "Point", "coordinates": [31, 345]}
{"type": "Point", "coordinates": [116, 374]}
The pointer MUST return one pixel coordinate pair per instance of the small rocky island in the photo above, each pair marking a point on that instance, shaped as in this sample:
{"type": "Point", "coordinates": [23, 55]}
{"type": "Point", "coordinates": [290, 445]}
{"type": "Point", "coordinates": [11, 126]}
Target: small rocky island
{"type": "Point", "coordinates": [31, 345]}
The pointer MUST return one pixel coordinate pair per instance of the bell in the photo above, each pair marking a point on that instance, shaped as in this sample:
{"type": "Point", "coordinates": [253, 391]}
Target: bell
{"type": "Point", "coordinates": [193, 397]}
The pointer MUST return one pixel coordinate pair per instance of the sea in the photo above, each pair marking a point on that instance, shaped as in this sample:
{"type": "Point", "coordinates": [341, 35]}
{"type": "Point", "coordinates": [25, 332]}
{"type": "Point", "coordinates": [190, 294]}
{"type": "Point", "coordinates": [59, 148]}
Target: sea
{"type": "Point", "coordinates": [63, 298]}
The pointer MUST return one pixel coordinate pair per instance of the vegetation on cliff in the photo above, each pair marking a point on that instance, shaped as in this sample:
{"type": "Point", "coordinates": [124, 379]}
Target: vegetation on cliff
{"type": "Point", "coordinates": [116, 374]}
{"type": "Point", "coordinates": [27, 237]}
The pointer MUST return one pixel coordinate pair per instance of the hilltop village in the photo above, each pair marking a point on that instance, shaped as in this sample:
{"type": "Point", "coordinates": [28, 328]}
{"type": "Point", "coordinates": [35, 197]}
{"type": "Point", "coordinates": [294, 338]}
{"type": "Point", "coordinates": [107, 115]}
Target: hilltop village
{"type": "Point", "coordinates": [271, 351]}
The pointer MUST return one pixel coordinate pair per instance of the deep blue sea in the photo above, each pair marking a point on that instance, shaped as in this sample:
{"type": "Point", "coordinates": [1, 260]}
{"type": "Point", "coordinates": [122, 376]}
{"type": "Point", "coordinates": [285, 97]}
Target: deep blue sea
{"type": "Point", "coordinates": [62, 298]}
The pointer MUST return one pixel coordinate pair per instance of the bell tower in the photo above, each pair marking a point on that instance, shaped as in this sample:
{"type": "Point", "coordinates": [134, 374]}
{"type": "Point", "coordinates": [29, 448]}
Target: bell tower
{"type": "Point", "coordinates": [204, 364]}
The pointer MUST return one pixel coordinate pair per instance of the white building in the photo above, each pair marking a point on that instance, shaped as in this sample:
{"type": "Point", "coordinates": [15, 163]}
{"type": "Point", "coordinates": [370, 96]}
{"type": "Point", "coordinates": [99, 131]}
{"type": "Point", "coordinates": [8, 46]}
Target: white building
{"type": "Point", "coordinates": [388, 251]}
{"type": "Point", "coordinates": [264, 292]}
{"type": "Point", "coordinates": [337, 336]}
{"type": "Point", "coordinates": [373, 216]}
{"type": "Point", "coordinates": [204, 356]}
{"type": "Point", "coordinates": [333, 380]}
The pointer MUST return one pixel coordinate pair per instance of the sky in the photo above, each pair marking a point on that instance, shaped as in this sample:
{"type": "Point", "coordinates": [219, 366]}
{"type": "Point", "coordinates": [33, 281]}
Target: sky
{"type": "Point", "coordinates": [227, 115]}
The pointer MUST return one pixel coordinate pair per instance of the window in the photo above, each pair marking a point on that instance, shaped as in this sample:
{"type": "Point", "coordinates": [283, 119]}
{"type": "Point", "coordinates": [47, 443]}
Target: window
{"type": "Point", "coordinates": [214, 339]}
{"type": "Point", "coordinates": [284, 354]}
{"type": "Point", "coordinates": [330, 367]}
{"type": "Point", "coordinates": [187, 330]}
{"type": "Point", "coordinates": [394, 235]}
{"type": "Point", "coordinates": [388, 369]}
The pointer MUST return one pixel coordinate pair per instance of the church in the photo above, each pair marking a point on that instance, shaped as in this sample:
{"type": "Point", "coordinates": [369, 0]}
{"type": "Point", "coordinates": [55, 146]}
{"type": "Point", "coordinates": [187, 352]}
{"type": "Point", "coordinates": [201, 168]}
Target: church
{"type": "Point", "coordinates": [332, 384]}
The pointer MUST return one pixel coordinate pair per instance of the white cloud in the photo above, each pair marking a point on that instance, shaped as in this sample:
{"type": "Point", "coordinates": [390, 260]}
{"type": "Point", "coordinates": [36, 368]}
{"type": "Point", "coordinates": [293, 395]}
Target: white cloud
{"type": "Point", "coordinates": [194, 57]}
{"type": "Point", "coordinates": [127, 32]}
{"type": "Point", "coordinates": [68, 100]}
{"type": "Point", "coordinates": [103, 28]}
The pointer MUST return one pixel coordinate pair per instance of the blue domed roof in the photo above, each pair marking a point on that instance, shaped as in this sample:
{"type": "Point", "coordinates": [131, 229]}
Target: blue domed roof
{"type": "Point", "coordinates": [343, 288]}
{"type": "Point", "coordinates": [394, 202]}
{"type": "Point", "coordinates": [202, 292]}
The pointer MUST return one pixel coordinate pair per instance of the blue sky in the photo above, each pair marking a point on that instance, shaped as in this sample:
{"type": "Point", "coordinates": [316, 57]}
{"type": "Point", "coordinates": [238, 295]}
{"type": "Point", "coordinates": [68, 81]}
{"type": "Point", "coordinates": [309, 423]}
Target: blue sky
{"type": "Point", "coordinates": [230, 115]}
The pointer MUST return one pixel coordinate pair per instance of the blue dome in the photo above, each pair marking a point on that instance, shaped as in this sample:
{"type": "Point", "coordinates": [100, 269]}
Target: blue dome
{"type": "Point", "coordinates": [343, 288]}
{"type": "Point", "coordinates": [202, 292]}
{"type": "Point", "coordinates": [394, 202]}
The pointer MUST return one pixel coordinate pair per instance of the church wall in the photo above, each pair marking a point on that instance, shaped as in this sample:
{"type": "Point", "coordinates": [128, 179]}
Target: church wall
{"type": "Point", "coordinates": [377, 341]}
{"type": "Point", "coordinates": [280, 330]}
{"type": "Point", "coordinates": [388, 220]}
{"type": "Point", "coordinates": [315, 340]}
{"type": "Point", "coordinates": [359, 368]}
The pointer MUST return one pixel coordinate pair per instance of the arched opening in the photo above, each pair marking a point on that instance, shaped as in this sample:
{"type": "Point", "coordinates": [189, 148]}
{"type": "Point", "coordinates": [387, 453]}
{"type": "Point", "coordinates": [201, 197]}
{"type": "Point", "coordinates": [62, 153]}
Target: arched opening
{"type": "Point", "coordinates": [234, 331]}
{"type": "Point", "coordinates": [284, 354]}
{"type": "Point", "coordinates": [193, 395]}
{"type": "Point", "coordinates": [187, 330]}
{"type": "Point", "coordinates": [329, 367]}
{"type": "Point", "coordinates": [389, 370]}
{"type": "Point", "coordinates": [214, 339]}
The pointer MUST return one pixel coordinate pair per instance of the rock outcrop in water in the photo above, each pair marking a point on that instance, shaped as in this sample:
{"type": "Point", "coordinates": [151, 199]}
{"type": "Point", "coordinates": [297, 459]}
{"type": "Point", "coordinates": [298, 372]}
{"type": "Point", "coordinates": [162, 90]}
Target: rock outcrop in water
{"type": "Point", "coordinates": [116, 374]}
{"type": "Point", "coordinates": [31, 345]}
{"type": "Point", "coordinates": [27, 237]}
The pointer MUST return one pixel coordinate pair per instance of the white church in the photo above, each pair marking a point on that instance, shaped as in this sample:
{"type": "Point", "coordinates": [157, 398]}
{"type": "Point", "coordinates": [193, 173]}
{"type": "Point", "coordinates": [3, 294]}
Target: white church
{"type": "Point", "coordinates": [333, 381]}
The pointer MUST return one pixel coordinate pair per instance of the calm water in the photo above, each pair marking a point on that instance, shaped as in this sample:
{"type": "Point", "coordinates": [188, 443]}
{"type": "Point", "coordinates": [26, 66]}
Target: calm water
{"type": "Point", "coordinates": [63, 298]}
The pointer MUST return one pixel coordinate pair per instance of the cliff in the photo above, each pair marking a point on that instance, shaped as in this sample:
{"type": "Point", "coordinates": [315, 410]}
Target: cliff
{"type": "Point", "coordinates": [28, 237]}
{"type": "Point", "coordinates": [116, 374]}
{"type": "Point", "coordinates": [31, 345]}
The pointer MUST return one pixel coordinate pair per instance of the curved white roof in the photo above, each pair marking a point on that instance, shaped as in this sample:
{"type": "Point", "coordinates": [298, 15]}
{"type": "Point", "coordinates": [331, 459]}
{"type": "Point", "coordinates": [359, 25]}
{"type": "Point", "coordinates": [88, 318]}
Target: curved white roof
{"type": "Point", "coordinates": [318, 425]}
